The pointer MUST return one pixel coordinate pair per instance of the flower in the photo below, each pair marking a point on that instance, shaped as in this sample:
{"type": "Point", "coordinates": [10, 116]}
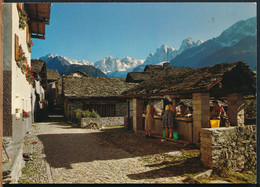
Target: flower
{"type": "Point", "coordinates": [30, 43]}
{"type": "Point", "coordinates": [23, 18]}
{"type": "Point", "coordinates": [26, 114]}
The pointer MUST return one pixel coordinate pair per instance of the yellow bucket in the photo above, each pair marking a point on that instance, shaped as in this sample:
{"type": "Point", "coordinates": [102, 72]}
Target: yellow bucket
{"type": "Point", "coordinates": [214, 123]}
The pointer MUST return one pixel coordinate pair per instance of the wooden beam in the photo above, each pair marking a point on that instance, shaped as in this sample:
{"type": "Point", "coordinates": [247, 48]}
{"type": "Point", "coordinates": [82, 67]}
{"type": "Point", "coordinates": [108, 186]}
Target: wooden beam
{"type": "Point", "coordinates": [100, 102]}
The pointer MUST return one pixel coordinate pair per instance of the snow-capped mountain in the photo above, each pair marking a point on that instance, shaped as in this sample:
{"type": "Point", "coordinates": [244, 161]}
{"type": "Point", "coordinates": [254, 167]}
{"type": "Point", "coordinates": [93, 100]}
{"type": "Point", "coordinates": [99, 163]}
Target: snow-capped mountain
{"type": "Point", "coordinates": [110, 64]}
{"type": "Point", "coordinates": [64, 65]}
{"type": "Point", "coordinates": [161, 53]}
{"type": "Point", "coordinates": [66, 60]}
{"type": "Point", "coordinates": [237, 31]}
{"type": "Point", "coordinates": [228, 38]}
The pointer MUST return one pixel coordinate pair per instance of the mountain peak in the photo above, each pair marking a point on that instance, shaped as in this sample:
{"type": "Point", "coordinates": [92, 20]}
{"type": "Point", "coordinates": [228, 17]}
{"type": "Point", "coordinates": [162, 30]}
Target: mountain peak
{"type": "Point", "coordinates": [237, 31]}
{"type": "Point", "coordinates": [187, 41]}
{"type": "Point", "coordinates": [200, 42]}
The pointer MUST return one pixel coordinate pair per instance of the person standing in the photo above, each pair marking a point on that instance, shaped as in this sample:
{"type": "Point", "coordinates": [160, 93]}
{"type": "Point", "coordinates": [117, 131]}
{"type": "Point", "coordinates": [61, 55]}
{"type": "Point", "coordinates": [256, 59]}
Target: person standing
{"type": "Point", "coordinates": [169, 119]}
{"type": "Point", "coordinates": [184, 109]}
{"type": "Point", "coordinates": [149, 119]}
{"type": "Point", "coordinates": [217, 111]}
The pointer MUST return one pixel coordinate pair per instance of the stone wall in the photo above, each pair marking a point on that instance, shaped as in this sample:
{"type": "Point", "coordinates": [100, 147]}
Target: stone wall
{"type": "Point", "coordinates": [102, 121]}
{"type": "Point", "coordinates": [121, 108]}
{"type": "Point", "coordinates": [7, 104]}
{"type": "Point", "coordinates": [234, 147]}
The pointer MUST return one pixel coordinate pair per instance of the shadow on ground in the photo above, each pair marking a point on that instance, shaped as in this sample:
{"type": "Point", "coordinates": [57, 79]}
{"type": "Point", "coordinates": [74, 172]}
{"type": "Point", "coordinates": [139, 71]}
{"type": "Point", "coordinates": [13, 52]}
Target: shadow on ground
{"type": "Point", "coordinates": [189, 166]}
{"type": "Point", "coordinates": [63, 150]}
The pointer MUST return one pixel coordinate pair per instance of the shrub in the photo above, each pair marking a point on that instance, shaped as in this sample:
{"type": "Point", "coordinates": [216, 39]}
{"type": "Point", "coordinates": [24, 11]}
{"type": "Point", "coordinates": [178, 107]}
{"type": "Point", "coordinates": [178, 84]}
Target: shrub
{"type": "Point", "coordinates": [78, 113]}
{"type": "Point", "coordinates": [94, 114]}
{"type": "Point", "coordinates": [90, 114]}
{"type": "Point", "coordinates": [86, 114]}
{"type": "Point", "coordinates": [250, 108]}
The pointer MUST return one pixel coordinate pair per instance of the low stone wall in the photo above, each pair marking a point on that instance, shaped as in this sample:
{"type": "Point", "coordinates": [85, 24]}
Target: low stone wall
{"type": "Point", "coordinates": [102, 121]}
{"type": "Point", "coordinates": [233, 147]}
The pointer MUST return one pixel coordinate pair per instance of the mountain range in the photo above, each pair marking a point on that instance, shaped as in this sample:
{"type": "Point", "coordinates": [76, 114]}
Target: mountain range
{"type": "Point", "coordinates": [195, 57]}
{"type": "Point", "coordinates": [237, 43]}
{"type": "Point", "coordinates": [66, 66]}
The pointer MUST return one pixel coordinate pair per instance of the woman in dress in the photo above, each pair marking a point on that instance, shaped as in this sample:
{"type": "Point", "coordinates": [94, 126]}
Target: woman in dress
{"type": "Point", "coordinates": [169, 119]}
{"type": "Point", "coordinates": [149, 120]}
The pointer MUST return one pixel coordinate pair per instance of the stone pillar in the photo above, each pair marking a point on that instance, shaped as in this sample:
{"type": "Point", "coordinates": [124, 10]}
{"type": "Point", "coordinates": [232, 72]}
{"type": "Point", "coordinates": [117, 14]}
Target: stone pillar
{"type": "Point", "coordinates": [236, 114]}
{"type": "Point", "coordinates": [201, 114]}
{"type": "Point", "coordinates": [137, 114]}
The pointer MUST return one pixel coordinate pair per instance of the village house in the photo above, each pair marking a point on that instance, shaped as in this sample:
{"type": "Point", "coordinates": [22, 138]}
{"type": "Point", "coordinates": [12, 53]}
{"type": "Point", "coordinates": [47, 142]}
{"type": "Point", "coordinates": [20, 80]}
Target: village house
{"type": "Point", "coordinates": [39, 88]}
{"type": "Point", "coordinates": [229, 82]}
{"type": "Point", "coordinates": [21, 22]}
{"type": "Point", "coordinates": [54, 89]}
{"type": "Point", "coordinates": [99, 94]}
{"type": "Point", "coordinates": [152, 71]}
{"type": "Point", "coordinates": [214, 82]}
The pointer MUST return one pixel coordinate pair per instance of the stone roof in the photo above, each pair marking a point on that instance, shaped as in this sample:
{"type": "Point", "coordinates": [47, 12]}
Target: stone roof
{"type": "Point", "coordinates": [86, 87]}
{"type": "Point", "coordinates": [153, 68]}
{"type": "Point", "coordinates": [236, 75]}
{"type": "Point", "coordinates": [152, 71]}
{"type": "Point", "coordinates": [52, 75]}
{"type": "Point", "coordinates": [40, 70]}
{"type": "Point", "coordinates": [137, 77]}
{"type": "Point", "coordinates": [37, 65]}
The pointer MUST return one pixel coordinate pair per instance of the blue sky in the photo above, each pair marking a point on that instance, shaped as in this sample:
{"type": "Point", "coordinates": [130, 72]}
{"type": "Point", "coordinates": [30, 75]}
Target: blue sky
{"type": "Point", "coordinates": [92, 31]}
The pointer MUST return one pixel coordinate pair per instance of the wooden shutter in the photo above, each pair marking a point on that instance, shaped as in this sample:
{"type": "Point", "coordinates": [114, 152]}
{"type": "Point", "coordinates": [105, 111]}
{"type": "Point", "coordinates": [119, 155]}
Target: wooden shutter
{"type": "Point", "coordinates": [19, 6]}
{"type": "Point", "coordinates": [27, 33]}
{"type": "Point", "coordinates": [16, 45]}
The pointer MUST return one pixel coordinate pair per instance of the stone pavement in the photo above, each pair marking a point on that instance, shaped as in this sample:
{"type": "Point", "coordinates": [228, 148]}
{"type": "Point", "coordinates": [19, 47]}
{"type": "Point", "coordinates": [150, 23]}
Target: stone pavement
{"type": "Point", "coordinates": [64, 154]}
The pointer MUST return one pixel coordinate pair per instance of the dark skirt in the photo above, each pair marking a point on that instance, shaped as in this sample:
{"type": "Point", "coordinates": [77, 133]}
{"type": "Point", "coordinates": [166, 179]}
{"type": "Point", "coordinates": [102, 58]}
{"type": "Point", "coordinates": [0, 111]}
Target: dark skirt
{"type": "Point", "coordinates": [169, 119]}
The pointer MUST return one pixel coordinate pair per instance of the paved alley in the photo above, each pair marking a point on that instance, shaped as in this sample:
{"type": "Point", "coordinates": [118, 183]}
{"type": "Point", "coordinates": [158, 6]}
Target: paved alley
{"type": "Point", "coordinates": [65, 154]}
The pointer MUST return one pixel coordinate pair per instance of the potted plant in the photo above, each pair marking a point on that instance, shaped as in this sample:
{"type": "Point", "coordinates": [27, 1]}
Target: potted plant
{"type": "Point", "coordinates": [23, 18]}
{"type": "Point", "coordinates": [26, 114]}
{"type": "Point", "coordinates": [22, 60]}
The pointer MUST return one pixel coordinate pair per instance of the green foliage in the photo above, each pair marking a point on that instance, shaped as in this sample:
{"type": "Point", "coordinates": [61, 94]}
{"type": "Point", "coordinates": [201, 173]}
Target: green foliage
{"type": "Point", "coordinates": [78, 113]}
{"type": "Point", "coordinates": [222, 172]}
{"type": "Point", "coordinates": [94, 114]}
{"type": "Point", "coordinates": [86, 114]}
{"type": "Point", "coordinates": [90, 114]}
{"type": "Point", "coordinates": [23, 18]}
{"type": "Point", "coordinates": [250, 108]}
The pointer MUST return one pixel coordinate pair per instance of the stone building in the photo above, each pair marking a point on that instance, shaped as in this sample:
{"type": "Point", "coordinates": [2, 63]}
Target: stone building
{"type": "Point", "coordinates": [152, 71]}
{"type": "Point", "coordinates": [39, 105]}
{"type": "Point", "coordinates": [53, 90]}
{"type": "Point", "coordinates": [99, 94]}
{"type": "Point", "coordinates": [21, 22]}
{"type": "Point", "coordinates": [226, 81]}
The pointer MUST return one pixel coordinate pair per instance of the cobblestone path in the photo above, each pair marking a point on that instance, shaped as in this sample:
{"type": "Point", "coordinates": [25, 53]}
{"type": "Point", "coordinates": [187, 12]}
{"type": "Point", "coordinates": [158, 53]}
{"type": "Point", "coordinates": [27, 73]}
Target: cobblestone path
{"type": "Point", "coordinates": [64, 154]}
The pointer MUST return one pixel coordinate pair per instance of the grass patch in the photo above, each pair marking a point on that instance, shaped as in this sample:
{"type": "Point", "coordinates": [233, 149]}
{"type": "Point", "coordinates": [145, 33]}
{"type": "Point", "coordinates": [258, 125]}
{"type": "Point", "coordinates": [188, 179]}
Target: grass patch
{"type": "Point", "coordinates": [234, 177]}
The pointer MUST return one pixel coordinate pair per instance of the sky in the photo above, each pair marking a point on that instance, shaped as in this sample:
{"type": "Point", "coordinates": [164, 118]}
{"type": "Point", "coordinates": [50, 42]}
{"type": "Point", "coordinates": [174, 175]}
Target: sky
{"type": "Point", "coordinates": [93, 31]}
